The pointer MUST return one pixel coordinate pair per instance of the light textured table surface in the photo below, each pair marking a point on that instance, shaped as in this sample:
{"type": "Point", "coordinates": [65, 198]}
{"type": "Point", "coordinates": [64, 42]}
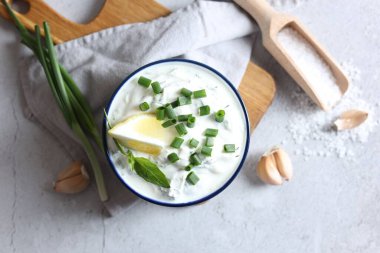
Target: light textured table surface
{"type": "Point", "coordinates": [331, 205]}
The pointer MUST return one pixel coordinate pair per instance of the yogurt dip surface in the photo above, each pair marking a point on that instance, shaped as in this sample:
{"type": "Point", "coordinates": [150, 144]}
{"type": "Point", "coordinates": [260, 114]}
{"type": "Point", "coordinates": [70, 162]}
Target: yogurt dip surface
{"type": "Point", "coordinates": [215, 171]}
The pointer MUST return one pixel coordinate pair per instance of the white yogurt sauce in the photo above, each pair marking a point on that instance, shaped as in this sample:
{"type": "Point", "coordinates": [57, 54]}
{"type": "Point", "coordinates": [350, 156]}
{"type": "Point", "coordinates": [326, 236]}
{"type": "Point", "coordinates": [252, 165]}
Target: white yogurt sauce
{"type": "Point", "coordinates": [214, 171]}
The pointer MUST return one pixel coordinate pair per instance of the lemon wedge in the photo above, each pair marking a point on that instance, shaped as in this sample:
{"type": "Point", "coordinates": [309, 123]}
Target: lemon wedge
{"type": "Point", "coordinates": [142, 132]}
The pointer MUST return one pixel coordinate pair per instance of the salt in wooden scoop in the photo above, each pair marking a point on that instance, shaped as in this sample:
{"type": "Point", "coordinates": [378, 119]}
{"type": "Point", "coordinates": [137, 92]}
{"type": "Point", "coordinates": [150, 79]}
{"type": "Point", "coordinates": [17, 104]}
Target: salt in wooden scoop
{"type": "Point", "coordinates": [299, 53]}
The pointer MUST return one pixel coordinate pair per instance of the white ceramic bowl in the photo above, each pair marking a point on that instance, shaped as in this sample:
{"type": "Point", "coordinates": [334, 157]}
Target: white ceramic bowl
{"type": "Point", "coordinates": [107, 141]}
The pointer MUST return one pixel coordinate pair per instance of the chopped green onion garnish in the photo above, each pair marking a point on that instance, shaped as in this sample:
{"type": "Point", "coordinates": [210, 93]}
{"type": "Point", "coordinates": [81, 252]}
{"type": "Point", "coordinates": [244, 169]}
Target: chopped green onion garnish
{"type": "Point", "coordinates": [183, 117]}
{"type": "Point", "coordinates": [229, 148]}
{"type": "Point", "coordinates": [169, 123]}
{"type": "Point", "coordinates": [211, 132]}
{"type": "Point", "coordinates": [204, 110]}
{"type": "Point", "coordinates": [174, 104]}
{"type": "Point", "coordinates": [188, 167]}
{"type": "Point", "coordinates": [183, 101]}
{"type": "Point", "coordinates": [177, 142]}
{"type": "Point", "coordinates": [144, 106]}
{"type": "Point", "coordinates": [143, 81]}
{"type": "Point", "coordinates": [192, 178]}
{"type": "Point", "coordinates": [170, 112]}
{"type": "Point", "coordinates": [200, 94]}
{"type": "Point", "coordinates": [181, 129]}
{"type": "Point", "coordinates": [219, 115]}
{"type": "Point", "coordinates": [190, 122]}
{"type": "Point", "coordinates": [186, 92]}
{"type": "Point", "coordinates": [206, 151]}
{"type": "Point", "coordinates": [209, 142]}
{"type": "Point", "coordinates": [173, 157]}
{"type": "Point", "coordinates": [193, 143]}
{"type": "Point", "coordinates": [195, 160]}
{"type": "Point", "coordinates": [156, 87]}
{"type": "Point", "coordinates": [160, 113]}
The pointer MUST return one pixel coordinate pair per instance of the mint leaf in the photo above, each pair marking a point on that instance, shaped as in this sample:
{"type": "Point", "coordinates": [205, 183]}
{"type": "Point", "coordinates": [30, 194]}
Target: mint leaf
{"type": "Point", "coordinates": [150, 172]}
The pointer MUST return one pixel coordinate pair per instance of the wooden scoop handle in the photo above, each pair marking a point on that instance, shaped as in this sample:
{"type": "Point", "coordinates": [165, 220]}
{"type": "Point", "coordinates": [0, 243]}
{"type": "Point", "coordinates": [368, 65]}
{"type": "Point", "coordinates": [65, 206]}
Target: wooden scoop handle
{"type": "Point", "coordinates": [113, 13]}
{"type": "Point", "coordinates": [261, 10]}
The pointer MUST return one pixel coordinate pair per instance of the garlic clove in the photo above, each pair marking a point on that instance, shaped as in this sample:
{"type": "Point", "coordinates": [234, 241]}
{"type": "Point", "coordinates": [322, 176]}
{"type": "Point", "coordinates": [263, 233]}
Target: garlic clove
{"type": "Point", "coordinates": [72, 179]}
{"type": "Point", "coordinates": [70, 171]}
{"type": "Point", "coordinates": [267, 171]}
{"type": "Point", "coordinates": [275, 166]}
{"type": "Point", "coordinates": [71, 185]}
{"type": "Point", "coordinates": [350, 119]}
{"type": "Point", "coordinates": [283, 162]}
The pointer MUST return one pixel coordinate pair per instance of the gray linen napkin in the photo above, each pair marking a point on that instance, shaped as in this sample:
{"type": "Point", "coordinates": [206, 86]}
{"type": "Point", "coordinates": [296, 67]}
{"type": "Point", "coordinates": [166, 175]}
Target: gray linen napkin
{"type": "Point", "coordinates": [215, 33]}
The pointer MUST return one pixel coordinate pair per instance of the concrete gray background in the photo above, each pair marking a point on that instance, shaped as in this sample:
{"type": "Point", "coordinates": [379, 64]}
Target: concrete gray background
{"type": "Point", "coordinates": [331, 205]}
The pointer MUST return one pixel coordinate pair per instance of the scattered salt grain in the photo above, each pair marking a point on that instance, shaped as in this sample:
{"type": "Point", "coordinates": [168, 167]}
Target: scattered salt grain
{"type": "Point", "coordinates": [352, 72]}
{"type": "Point", "coordinates": [313, 128]}
{"type": "Point", "coordinates": [314, 69]}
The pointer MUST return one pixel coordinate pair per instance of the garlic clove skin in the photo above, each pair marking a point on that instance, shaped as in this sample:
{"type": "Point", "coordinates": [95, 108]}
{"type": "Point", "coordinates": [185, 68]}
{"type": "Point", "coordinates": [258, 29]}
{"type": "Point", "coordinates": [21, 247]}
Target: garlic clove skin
{"type": "Point", "coordinates": [72, 179]}
{"type": "Point", "coordinates": [267, 171]}
{"type": "Point", "coordinates": [283, 162]}
{"type": "Point", "coordinates": [350, 119]}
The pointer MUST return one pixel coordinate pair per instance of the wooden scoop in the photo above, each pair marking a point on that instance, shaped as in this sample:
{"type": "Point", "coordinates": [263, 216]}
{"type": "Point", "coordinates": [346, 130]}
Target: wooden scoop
{"type": "Point", "coordinates": [271, 23]}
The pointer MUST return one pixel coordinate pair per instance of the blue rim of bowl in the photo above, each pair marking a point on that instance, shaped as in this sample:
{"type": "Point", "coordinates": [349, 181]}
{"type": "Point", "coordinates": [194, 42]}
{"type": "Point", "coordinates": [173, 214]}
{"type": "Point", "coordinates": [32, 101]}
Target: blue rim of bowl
{"type": "Point", "coordinates": [209, 196]}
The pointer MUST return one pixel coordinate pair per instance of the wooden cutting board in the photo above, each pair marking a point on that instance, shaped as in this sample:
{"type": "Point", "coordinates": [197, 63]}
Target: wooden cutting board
{"type": "Point", "coordinates": [257, 87]}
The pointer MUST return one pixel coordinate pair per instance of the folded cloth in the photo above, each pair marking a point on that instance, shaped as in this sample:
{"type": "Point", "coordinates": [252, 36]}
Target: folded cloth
{"type": "Point", "coordinates": [215, 33]}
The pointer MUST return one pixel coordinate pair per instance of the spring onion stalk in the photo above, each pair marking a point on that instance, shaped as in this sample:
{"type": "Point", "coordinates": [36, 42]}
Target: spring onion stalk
{"type": "Point", "coordinates": [71, 102]}
{"type": "Point", "coordinates": [83, 106]}
{"type": "Point", "coordinates": [87, 119]}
